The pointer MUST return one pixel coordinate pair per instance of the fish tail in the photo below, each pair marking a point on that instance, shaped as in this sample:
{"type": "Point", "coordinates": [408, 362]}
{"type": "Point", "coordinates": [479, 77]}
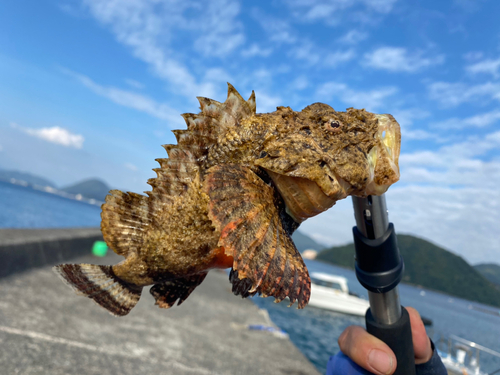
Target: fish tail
{"type": "Point", "coordinates": [101, 285]}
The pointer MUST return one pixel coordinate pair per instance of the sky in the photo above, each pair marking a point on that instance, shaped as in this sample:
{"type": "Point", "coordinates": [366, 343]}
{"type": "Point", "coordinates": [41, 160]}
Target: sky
{"type": "Point", "coordinates": [92, 88]}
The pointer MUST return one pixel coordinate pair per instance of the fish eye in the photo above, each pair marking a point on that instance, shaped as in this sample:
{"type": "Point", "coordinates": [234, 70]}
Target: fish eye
{"type": "Point", "coordinates": [333, 126]}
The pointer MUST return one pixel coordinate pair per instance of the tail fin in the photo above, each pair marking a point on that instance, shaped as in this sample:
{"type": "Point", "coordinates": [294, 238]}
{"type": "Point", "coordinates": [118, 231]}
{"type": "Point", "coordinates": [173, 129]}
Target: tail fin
{"type": "Point", "coordinates": [100, 284]}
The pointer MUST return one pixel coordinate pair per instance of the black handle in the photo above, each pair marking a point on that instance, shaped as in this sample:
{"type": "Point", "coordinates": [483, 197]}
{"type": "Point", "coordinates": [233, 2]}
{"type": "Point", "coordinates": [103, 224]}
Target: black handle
{"type": "Point", "coordinates": [398, 337]}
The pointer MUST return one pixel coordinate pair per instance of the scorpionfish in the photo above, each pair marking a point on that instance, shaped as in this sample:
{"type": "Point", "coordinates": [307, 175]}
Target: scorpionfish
{"type": "Point", "coordinates": [230, 194]}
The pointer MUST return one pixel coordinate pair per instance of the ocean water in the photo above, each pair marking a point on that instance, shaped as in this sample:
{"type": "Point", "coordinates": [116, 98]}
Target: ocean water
{"type": "Point", "coordinates": [313, 331]}
{"type": "Point", "coordinates": [24, 207]}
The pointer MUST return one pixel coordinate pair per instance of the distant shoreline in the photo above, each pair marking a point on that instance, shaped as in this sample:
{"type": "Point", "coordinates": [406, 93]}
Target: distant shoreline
{"type": "Point", "coordinates": [53, 191]}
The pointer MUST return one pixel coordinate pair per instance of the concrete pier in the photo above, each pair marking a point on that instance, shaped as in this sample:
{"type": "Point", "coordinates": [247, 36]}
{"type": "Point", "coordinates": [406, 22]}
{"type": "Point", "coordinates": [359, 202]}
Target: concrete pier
{"type": "Point", "coordinates": [23, 249]}
{"type": "Point", "coordinates": [46, 329]}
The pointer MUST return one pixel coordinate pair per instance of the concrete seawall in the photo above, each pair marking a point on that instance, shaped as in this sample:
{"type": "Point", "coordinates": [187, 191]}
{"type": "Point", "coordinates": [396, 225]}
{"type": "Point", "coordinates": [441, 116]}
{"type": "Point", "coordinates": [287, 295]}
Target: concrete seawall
{"type": "Point", "coordinates": [23, 249]}
{"type": "Point", "coordinates": [45, 328]}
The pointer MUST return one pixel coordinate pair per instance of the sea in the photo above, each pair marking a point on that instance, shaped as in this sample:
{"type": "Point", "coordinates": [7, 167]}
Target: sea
{"type": "Point", "coordinates": [313, 331]}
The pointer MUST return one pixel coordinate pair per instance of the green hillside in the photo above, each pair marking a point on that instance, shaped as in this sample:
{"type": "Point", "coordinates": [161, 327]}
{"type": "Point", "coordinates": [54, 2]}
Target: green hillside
{"type": "Point", "coordinates": [92, 188]}
{"type": "Point", "coordinates": [6, 175]}
{"type": "Point", "coordinates": [491, 271]}
{"type": "Point", "coordinates": [431, 267]}
{"type": "Point", "coordinates": [304, 242]}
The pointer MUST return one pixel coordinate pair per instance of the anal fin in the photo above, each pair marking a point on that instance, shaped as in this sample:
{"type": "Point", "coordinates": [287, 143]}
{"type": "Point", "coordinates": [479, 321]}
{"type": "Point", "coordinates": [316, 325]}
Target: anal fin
{"type": "Point", "coordinates": [167, 293]}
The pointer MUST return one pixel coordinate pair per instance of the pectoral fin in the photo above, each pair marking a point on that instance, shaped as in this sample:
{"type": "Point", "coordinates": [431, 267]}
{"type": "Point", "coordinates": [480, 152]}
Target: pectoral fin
{"type": "Point", "coordinates": [245, 211]}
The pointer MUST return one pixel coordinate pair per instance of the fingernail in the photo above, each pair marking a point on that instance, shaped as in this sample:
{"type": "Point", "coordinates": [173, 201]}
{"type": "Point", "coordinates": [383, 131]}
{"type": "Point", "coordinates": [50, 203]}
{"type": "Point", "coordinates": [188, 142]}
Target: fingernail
{"type": "Point", "coordinates": [380, 361]}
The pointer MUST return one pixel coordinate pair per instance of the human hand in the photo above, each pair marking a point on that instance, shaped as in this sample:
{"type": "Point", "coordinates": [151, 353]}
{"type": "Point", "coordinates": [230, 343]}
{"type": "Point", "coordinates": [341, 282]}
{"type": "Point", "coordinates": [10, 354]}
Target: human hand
{"type": "Point", "coordinates": [374, 355]}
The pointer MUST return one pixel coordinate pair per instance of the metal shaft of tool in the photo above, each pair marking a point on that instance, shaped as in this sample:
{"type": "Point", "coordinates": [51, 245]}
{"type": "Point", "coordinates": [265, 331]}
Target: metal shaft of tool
{"type": "Point", "coordinates": [372, 221]}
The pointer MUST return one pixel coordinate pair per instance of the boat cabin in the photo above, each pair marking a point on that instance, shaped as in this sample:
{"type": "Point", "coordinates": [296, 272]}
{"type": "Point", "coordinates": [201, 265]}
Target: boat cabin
{"type": "Point", "coordinates": [330, 281]}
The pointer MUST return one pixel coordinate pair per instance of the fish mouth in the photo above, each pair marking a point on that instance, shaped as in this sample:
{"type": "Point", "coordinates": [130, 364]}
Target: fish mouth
{"type": "Point", "coordinates": [383, 158]}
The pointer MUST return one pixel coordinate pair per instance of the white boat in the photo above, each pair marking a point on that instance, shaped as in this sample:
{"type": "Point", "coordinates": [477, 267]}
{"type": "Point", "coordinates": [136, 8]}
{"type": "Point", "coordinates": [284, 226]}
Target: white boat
{"type": "Point", "coordinates": [461, 357]}
{"type": "Point", "coordinates": [331, 292]}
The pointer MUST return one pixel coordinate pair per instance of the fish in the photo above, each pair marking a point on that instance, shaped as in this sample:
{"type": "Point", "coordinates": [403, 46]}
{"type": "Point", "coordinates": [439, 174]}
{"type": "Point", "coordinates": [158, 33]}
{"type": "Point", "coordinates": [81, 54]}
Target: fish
{"type": "Point", "coordinates": [230, 194]}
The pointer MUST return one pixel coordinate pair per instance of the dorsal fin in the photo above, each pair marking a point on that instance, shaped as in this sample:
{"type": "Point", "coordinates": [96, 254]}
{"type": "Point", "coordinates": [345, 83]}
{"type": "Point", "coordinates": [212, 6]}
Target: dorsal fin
{"type": "Point", "coordinates": [251, 103]}
{"type": "Point", "coordinates": [185, 159]}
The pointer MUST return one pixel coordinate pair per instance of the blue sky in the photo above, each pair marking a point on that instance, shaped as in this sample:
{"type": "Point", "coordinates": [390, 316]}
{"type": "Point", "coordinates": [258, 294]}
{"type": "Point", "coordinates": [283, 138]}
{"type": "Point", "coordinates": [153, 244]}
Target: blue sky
{"type": "Point", "coordinates": [92, 88]}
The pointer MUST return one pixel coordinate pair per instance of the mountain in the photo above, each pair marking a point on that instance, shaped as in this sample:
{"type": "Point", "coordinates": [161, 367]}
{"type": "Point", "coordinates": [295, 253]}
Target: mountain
{"type": "Point", "coordinates": [6, 175]}
{"type": "Point", "coordinates": [304, 242]}
{"type": "Point", "coordinates": [430, 266]}
{"type": "Point", "coordinates": [92, 189]}
{"type": "Point", "coordinates": [490, 271]}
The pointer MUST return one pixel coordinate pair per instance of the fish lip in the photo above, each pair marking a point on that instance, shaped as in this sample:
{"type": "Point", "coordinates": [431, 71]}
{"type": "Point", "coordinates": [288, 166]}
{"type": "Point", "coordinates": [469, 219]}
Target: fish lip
{"type": "Point", "coordinates": [383, 158]}
{"type": "Point", "coordinates": [392, 140]}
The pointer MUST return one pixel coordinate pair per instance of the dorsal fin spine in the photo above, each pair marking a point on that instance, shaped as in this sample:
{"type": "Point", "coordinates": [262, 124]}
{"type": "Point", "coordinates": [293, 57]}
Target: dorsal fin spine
{"type": "Point", "coordinates": [189, 118]}
{"type": "Point", "coordinates": [203, 129]}
{"type": "Point", "coordinates": [209, 107]}
{"type": "Point", "coordinates": [251, 103]}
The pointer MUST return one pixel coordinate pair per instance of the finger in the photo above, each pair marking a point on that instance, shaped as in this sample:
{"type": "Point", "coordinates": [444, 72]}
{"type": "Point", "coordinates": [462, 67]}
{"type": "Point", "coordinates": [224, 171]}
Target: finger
{"type": "Point", "coordinates": [421, 342]}
{"type": "Point", "coordinates": [367, 351]}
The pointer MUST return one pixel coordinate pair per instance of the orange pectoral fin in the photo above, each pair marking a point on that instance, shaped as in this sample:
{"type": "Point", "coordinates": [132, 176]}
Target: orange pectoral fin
{"type": "Point", "coordinates": [244, 209]}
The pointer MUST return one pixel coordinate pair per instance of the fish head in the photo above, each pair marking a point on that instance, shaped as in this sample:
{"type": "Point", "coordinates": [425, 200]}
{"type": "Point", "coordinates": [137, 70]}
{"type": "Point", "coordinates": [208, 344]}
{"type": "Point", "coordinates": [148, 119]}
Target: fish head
{"type": "Point", "coordinates": [360, 148]}
{"type": "Point", "coordinates": [322, 156]}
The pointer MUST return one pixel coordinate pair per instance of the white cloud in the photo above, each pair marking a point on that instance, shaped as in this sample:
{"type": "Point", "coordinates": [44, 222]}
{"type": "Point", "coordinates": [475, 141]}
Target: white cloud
{"type": "Point", "coordinates": [134, 84]}
{"type": "Point", "coordinates": [479, 121]}
{"type": "Point", "coordinates": [370, 100]}
{"type": "Point", "coordinates": [332, 11]}
{"type": "Point", "coordinates": [335, 58]}
{"type": "Point", "coordinates": [299, 83]}
{"type": "Point", "coordinates": [54, 134]}
{"type": "Point", "coordinates": [381, 6]}
{"type": "Point", "coordinates": [218, 76]}
{"type": "Point", "coordinates": [353, 37]}
{"type": "Point", "coordinates": [333, 227]}
{"type": "Point", "coordinates": [129, 99]}
{"type": "Point", "coordinates": [469, 5]}
{"type": "Point", "coordinates": [306, 51]}
{"type": "Point", "coordinates": [278, 29]}
{"type": "Point", "coordinates": [309, 52]}
{"type": "Point", "coordinates": [450, 217]}
{"type": "Point", "coordinates": [473, 55]}
{"type": "Point", "coordinates": [267, 102]}
{"type": "Point", "coordinates": [453, 94]}
{"type": "Point", "coordinates": [406, 117]}
{"type": "Point", "coordinates": [486, 66]}
{"type": "Point", "coordinates": [446, 196]}
{"type": "Point", "coordinates": [324, 9]}
{"type": "Point", "coordinates": [130, 166]}
{"type": "Point", "coordinates": [256, 50]}
{"type": "Point", "coordinates": [460, 164]}
{"type": "Point", "coordinates": [463, 220]}
{"type": "Point", "coordinates": [148, 27]}
{"type": "Point", "coordinates": [153, 23]}
{"type": "Point", "coordinates": [396, 59]}
{"type": "Point", "coordinates": [220, 32]}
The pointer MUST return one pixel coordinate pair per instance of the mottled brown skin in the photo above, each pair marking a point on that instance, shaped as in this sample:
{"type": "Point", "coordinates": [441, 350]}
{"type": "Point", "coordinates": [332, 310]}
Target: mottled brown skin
{"type": "Point", "coordinates": [234, 189]}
